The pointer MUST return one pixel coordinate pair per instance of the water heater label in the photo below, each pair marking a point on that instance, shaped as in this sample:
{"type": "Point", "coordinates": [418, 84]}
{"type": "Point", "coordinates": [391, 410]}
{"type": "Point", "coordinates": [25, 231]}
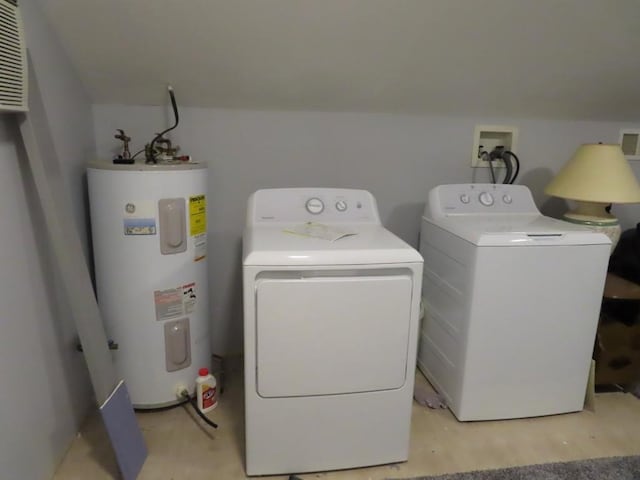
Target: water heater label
{"type": "Point", "coordinates": [139, 226]}
{"type": "Point", "coordinates": [139, 218]}
{"type": "Point", "coordinates": [200, 247]}
{"type": "Point", "coordinates": [189, 297]}
{"type": "Point", "coordinates": [175, 302]}
{"type": "Point", "coordinates": [197, 215]}
{"type": "Point", "coordinates": [168, 303]}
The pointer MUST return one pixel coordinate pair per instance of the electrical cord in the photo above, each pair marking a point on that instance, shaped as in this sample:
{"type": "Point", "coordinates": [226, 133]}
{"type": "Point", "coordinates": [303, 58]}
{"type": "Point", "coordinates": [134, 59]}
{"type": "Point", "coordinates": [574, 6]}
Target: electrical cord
{"type": "Point", "coordinates": [192, 400]}
{"type": "Point", "coordinates": [187, 399]}
{"type": "Point", "coordinates": [151, 154]}
{"type": "Point", "coordinates": [162, 409]}
{"type": "Point", "coordinates": [513, 156]}
{"type": "Point", "coordinates": [137, 153]}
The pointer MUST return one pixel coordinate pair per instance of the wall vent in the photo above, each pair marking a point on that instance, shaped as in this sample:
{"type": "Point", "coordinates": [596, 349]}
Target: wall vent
{"type": "Point", "coordinates": [13, 59]}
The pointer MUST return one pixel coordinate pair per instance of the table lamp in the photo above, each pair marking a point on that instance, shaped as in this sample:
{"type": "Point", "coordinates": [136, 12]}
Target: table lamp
{"type": "Point", "coordinates": [596, 176]}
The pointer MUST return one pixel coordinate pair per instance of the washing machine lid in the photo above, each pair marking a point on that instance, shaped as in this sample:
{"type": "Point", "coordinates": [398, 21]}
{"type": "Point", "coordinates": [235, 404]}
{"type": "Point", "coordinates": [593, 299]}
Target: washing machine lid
{"type": "Point", "coordinates": [518, 230]}
{"type": "Point", "coordinates": [371, 244]}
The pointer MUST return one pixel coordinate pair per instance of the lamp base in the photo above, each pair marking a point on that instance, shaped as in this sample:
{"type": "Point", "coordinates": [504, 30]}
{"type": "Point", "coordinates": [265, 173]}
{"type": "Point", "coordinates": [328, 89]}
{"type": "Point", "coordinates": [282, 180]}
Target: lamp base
{"type": "Point", "coordinates": [594, 216]}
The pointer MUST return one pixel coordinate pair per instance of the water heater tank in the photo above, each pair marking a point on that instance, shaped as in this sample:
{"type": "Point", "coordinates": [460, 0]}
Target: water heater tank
{"type": "Point", "coordinates": [149, 230]}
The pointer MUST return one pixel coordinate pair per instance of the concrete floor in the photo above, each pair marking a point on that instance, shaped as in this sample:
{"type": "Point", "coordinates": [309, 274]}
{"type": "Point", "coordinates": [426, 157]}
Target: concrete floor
{"type": "Point", "coordinates": [182, 447]}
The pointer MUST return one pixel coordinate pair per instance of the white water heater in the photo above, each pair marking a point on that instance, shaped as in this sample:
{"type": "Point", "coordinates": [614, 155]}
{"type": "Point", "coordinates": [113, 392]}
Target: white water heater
{"type": "Point", "coordinates": [149, 230]}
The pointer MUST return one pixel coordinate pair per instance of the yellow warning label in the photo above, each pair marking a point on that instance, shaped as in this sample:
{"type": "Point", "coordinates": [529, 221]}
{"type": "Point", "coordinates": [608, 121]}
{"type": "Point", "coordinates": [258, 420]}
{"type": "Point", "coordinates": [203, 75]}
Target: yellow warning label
{"type": "Point", "coordinates": [197, 215]}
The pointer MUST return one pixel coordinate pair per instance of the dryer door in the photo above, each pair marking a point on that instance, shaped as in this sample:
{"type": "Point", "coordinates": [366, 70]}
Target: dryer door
{"type": "Point", "coordinates": [324, 335]}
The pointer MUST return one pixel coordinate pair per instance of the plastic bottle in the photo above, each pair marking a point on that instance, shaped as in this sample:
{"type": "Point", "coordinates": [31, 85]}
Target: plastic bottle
{"type": "Point", "coordinates": [206, 391]}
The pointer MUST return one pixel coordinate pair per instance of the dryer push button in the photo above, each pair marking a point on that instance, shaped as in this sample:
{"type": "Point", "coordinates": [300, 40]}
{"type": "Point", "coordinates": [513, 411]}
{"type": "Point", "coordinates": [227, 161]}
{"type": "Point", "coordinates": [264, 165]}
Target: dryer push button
{"type": "Point", "coordinates": [314, 206]}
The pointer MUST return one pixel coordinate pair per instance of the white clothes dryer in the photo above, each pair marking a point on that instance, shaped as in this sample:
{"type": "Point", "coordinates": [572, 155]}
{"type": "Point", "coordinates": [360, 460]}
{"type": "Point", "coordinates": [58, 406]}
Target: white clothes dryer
{"type": "Point", "coordinates": [330, 332]}
{"type": "Point", "coordinates": [512, 300]}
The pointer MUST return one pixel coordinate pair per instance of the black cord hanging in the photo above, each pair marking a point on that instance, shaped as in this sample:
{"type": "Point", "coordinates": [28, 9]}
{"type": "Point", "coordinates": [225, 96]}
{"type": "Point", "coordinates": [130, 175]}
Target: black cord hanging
{"type": "Point", "coordinates": [510, 160]}
{"type": "Point", "coordinates": [487, 158]}
{"type": "Point", "coordinates": [150, 153]}
{"type": "Point", "coordinates": [512, 156]}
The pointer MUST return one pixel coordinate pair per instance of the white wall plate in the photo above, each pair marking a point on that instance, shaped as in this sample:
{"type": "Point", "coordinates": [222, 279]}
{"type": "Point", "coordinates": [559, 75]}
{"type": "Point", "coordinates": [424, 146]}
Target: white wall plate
{"type": "Point", "coordinates": [487, 137]}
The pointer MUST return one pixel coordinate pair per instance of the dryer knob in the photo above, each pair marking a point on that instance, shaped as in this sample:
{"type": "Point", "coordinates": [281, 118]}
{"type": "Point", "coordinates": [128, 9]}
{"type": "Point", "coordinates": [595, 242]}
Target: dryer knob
{"type": "Point", "coordinates": [314, 206]}
{"type": "Point", "coordinates": [486, 199]}
{"type": "Point", "coordinates": [464, 198]}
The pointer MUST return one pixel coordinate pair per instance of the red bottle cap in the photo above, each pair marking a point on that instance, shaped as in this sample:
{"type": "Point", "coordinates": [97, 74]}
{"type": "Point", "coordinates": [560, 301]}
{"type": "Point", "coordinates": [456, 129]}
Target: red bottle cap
{"type": "Point", "coordinates": [203, 372]}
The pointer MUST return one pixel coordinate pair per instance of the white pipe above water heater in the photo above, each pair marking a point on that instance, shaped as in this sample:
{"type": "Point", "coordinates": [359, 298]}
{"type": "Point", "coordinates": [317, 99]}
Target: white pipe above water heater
{"type": "Point", "coordinates": [149, 235]}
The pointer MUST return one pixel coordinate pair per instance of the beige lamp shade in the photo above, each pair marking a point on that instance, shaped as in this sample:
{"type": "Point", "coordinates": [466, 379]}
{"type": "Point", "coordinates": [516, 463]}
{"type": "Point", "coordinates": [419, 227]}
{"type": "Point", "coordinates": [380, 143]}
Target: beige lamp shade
{"type": "Point", "coordinates": [596, 173]}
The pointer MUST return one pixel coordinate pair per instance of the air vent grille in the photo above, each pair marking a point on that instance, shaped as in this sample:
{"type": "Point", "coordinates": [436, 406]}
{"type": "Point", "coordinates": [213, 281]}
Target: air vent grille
{"type": "Point", "coordinates": [13, 75]}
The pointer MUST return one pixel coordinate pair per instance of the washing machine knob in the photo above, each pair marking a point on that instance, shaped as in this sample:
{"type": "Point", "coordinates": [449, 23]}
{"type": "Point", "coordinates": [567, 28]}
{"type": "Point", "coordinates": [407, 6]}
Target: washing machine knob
{"type": "Point", "coordinates": [507, 199]}
{"type": "Point", "coordinates": [486, 199]}
{"type": "Point", "coordinates": [464, 198]}
{"type": "Point", "coordinates": [314, 206]}
{"type": "Point", "coordinates": [341, 205]}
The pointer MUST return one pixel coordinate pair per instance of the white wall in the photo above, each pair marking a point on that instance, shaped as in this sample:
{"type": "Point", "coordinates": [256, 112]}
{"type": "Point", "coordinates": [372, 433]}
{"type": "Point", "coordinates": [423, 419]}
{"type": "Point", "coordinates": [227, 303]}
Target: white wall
{"type": "Point", "coordinates": [397, 157]}
{"type": "Point", "coordinates": [45, 390]}
{"type": "Point", "coordinates": [68, 109]}
{"type": "Point", "coordinates": [546, 58]}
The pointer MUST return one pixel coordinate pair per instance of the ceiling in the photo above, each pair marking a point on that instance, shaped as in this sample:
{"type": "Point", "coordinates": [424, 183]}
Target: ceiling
{"type": "Point", "coordinates": [543, 58]}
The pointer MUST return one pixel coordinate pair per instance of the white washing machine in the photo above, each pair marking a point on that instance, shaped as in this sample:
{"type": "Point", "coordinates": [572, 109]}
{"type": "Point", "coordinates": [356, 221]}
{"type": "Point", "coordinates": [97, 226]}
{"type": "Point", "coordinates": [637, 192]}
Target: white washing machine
{"type": "Point", "coordinates": [330, 329]}
{"type": "Point", "coordinates": [512, 300]}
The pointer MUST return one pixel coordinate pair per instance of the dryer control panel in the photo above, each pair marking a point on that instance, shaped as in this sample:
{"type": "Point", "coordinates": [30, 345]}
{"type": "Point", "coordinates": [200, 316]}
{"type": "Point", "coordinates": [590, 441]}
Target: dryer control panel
{"type": "Point", "coordinates": [322, 205]}
{"type": "Point", "coordinates": [479, 198]}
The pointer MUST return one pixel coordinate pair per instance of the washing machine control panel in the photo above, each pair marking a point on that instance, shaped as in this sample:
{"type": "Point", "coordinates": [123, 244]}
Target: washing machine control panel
{"type": "Point", "coordinates": [486, 198]}
{"type": "Point", "coordinates": [323, 205]}
{"type": "Point", "coordinates": [480, 199]}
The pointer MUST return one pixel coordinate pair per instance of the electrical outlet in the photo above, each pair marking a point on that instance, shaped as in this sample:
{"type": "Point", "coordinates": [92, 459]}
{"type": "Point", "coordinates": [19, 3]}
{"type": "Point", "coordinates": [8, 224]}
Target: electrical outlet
{"type": "Point", "coordinates": [488, 137]}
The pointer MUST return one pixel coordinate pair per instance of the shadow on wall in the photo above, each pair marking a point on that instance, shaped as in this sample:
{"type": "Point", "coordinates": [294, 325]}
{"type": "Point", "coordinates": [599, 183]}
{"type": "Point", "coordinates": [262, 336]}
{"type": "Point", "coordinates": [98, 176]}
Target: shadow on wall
{"type": "Point", "coordinates": [225, 288]}
{"type": "Point", "coordinates": [69, 396]}
{"type": "Point", "coordinates": [537, 180]}
{"type": "Point", "coordinates": [87, 226]}
{"type": "Point", "coordinates": [236, 312]}
{"type": "Point", "coordinates": [404, 221]}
